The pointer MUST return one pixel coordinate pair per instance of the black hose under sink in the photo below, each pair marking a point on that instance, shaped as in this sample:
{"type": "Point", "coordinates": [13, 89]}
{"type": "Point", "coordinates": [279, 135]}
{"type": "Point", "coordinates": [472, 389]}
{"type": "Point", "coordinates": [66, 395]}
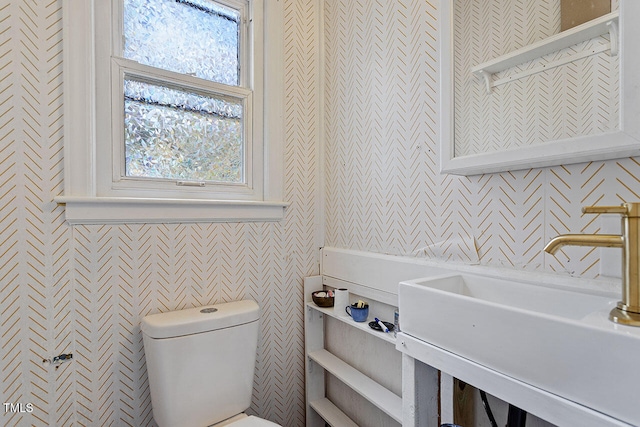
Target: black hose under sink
{"type": "Point", "coordinates": [516, 417]}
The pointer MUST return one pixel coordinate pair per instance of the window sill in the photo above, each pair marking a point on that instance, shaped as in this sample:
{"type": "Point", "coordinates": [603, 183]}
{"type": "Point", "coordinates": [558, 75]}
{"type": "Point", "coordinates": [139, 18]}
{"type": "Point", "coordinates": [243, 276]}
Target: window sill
{"type": "Point", "coordinates": [121, 210]}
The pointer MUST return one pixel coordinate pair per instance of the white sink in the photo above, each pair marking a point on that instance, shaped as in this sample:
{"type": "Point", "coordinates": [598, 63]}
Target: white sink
{"type": "Point", "coordinates": [557, 340]}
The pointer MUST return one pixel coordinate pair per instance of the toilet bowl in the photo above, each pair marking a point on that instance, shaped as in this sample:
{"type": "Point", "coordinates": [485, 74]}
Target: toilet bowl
{"type": "Point", "coordinates": [244, 420]}
{"type": "Point", "coordinates": [200, 364]}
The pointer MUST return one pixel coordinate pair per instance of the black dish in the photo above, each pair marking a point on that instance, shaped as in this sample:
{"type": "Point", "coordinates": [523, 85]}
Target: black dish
{"type": "Point", "coordinates": [374, 325]}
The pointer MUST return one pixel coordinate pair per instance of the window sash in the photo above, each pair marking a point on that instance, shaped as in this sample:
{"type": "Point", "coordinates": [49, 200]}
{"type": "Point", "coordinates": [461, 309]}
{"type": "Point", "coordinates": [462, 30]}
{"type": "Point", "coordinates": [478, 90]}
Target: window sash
{"type": "Point", "coordinates": [110, 180]}
{"type": "Point", "coordinates": [239, 6]}
{"type": "Point", "coordinates": [124, 68]}
{"type": "Point", "coordinates": [89, 37]}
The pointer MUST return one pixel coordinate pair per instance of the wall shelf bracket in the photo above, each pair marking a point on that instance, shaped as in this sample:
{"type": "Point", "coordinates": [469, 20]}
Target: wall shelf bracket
{"type": "Point", "coordinates": [483, 74]}
{"type": "Point", "coordinates": [613, 37]}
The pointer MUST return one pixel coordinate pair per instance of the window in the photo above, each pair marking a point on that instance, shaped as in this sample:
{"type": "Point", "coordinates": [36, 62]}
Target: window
{"type": "Point", "coordinates": [172, 122]}
{"type": "Point", "coordinates": [173, 132]}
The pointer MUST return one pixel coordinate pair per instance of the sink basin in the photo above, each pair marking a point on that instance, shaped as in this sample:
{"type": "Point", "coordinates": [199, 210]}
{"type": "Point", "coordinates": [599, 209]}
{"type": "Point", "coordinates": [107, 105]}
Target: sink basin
{"type": "Point", "coordinates": [554, 339]}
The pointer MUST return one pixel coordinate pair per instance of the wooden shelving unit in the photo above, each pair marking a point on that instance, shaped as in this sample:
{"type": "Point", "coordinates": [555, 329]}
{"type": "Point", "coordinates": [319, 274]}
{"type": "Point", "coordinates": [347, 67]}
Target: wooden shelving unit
{"type": "Point", "coordinates": [363, 326]}
{"type": "Point", "coordinates": [331, 414]}
{"type": "Point", "coordinates": [320, 361]}
{"type": "Point", "coordinates": [390, 403]}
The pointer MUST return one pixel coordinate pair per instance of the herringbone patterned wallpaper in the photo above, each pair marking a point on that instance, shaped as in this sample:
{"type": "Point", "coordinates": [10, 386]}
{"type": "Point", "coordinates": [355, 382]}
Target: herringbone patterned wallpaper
{"type": "Point", "coordinates": [383, 190]}
{"type": "Point", "coordinates": [84, 289]}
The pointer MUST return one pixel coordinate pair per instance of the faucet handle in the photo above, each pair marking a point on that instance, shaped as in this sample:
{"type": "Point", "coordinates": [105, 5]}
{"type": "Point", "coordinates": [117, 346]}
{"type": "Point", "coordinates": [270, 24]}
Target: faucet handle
{"type": "Point", "coordinates": [629, 209]}
{"type": "Point", "coordinates": [622, 209]}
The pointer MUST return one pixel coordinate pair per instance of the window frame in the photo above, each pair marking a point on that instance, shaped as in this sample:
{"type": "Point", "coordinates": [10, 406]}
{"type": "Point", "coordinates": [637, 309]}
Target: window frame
{"type": "Point", "coordinates": [93, 192]}
{"type": "Point", "coordinates": [133, 186]}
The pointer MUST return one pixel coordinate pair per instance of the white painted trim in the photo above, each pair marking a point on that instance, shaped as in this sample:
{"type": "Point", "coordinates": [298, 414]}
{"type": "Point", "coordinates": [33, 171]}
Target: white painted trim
{"type": "Point", "coordinates": [447, 404]}
{"type": "Point", "coordinates": [254, 157]}
{"type": "Point", "coordinates": [384, 272]}
{"type": "Point", "coordinates": [606, 146]}
{"type": "Point", "coordinates": [361, 326]}
{"type": "Point", "coordinates": [331, 413]}
{"type": "Point", "coordinates": [313, 341]}
{"type": "Point", "coordinates": [375, 271]}
{"type": "Point", "coordinates": [84, 160]}
{"type": "Point", "coordinates": [420, 394]}
{"type": "Point", "coordinates": [540, 403]}
{"type": "Point", "coordinates": [113, 210]}
{"type": "Point", "coordinates": [624, 142]}
{"type": "Point", "coordinates": [382, 398]}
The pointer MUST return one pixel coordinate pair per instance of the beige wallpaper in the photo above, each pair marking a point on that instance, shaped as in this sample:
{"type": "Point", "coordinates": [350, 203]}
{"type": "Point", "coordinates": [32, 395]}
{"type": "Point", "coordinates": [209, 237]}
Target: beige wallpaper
{"type": "Point", "coordinates": [84, 289]}
{"type": "Point", "coordinates": [383, 189]}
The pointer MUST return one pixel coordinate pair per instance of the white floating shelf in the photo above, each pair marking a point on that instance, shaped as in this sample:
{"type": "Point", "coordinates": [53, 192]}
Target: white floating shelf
{"type": "Point", "coordinates": [363, 326]}
{"type": "Point", "coordinates": [331, 413]}
{"type": "Point", "coordinates": [389, 402]}
{"type": "Point", "coordinates": [594, 28]}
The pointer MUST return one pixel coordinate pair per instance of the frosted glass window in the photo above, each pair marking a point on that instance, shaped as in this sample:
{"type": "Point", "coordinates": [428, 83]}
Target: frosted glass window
{"type": "Point", "coordinates": [176, 134]}
{"type": "Point", "coordinates": [142, 129]}
{"type": "Point", "coordinates": [195, 37]}
{"type": "Point", "coordinates": [170, 132]}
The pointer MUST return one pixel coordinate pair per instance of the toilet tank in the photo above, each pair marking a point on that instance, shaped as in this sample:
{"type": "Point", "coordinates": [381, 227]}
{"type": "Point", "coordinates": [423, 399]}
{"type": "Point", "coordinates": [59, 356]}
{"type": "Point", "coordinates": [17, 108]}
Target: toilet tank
{"type": "Point", "coordinates": [200, 362]}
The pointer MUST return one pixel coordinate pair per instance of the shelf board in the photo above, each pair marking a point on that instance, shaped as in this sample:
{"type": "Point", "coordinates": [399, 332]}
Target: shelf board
{"type": "Point", "coordinates": [387, 401]}
{"type": "Point", "coordinates": [363, 326]}
{"type": "Point", "coordinates": [331, 413]}
{"type": "Point", "coordinates": [580, 33]}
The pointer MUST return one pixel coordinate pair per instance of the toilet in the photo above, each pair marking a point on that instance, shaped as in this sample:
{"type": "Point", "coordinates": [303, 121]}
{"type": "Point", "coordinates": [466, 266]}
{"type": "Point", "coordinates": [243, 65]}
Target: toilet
{"type": "Point", "coordinates": [200, 363]}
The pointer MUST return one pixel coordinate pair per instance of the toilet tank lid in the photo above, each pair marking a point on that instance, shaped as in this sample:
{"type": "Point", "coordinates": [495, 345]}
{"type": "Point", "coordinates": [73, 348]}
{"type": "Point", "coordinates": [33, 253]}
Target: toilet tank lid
{"type": "Point", "coordinates": [200, 319]}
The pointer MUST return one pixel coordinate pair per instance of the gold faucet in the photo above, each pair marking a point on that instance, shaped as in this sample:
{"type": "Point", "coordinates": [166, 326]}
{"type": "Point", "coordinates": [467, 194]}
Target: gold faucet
{"type": "Point", "coordinates": [627, 311]}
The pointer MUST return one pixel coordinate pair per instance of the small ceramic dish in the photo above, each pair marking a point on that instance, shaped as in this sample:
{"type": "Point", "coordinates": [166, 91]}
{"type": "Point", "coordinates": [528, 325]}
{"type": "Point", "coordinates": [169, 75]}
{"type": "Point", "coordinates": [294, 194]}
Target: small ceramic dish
{"type": "Point", "coordinates": [374, 325]}
{"type": "Point", "coordinates": [322, 299]}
